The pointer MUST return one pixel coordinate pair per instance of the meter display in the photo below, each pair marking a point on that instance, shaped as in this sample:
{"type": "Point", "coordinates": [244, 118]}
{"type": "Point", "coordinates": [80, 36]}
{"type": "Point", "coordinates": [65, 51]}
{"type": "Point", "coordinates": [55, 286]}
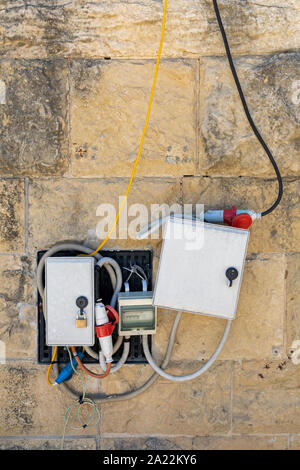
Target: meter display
{"type": "Point", "coordinates": [137, 314]}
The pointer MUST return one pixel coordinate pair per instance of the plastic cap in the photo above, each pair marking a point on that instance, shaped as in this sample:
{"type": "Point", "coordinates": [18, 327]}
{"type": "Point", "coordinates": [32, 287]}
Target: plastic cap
{"type": "Point", "coordinates": [242, 221]}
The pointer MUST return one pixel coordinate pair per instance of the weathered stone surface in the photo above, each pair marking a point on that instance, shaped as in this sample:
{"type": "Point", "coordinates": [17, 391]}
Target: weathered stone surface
{"type": "Point", "coordinates": [69, 209]}
{"type": "Point", "coordinates": [277, 232]}
{"type": "Point", "coordinates": [138, 443]}
{"type": "Point", "coordinates": [132, 29]}
{"type": "Point", "coordinates": [272, 88]}
{"type": "Point", "coordinates": [33, 138]}
{"type": "Point", "coordinates": [129, 377]}
{"type": "Point", "coordinates": [293, 306]}
{"type": "Point", "coordinates": [109, 101]}
{"type": "Point", "coordinates": [204, 407]}
{"type": "Point", "coordinates": [256, 333]}
{"type": "Point", "coordinates": [265, 397]}
{"type": "Point", "coordinates": [240, 443]}
{"type": "Point", "coordinates": [47, 444]}
{"type": "Point", "coordinates": [17, 316]}
{"type": "Point", "coordinates": [12, 216]}
{"type": "Point", "coordinates": [30, 407]}
{"type": "Point", "coordinates": [18, 329]}
{"type": "Point", "coordinates": [294, 442]}
{"type": "Point", "coordinates": [197, 443]}
{"type": "Point", "coordinates": [66, 111]}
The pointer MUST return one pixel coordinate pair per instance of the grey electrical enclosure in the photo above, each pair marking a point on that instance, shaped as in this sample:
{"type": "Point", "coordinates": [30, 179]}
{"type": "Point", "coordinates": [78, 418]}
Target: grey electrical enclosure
{"type": "Point", "coordinates": [201, 268]}
{"type": "Point", "coordinates": [66, 280]}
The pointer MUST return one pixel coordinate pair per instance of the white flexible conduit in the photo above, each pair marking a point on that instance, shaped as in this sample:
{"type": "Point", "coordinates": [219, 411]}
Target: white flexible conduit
{"type": "Point", "coordinates": [65, 246]}
{"type": "Point", "coordinates": [110, 265]}
{"type": "Point", "coordinates": [116, 348]}
{"type": "Point", "coordinates": [197, 373]}
{"type": "Point", "coordinates": [121, 361]}
{"type": "Point", "coordinates": [134, 393]}
{"type": "Point", "coordinates": [106, 262]}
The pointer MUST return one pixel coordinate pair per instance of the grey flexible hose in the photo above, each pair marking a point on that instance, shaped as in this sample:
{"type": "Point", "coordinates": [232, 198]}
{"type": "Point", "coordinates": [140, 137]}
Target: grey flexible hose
{"type": "Point", "coordinates": [110, 265]}
{"type": "Point", "coordinates": [91, 352]}
{"type": "Point", "coordinates": [66, 246]}
{"type": "Point", "coordinates": [116, 348]}
{"type": "Point", "coordinates": [72, 246]}
{"type": "Point", "coordinates": [117, 286]}
{"type": "Point", "coordinates": [105, 261]}
{"type": "Point", "coordinates": [120, 362]}
{"type": "Point", "coordinates": [197, 373]}
{"type": "Point", "coordinates": [128, 395]}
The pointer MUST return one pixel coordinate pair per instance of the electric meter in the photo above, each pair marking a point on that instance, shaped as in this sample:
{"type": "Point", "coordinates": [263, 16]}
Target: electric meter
{"type": "Point", "coordinates": [137, 315]}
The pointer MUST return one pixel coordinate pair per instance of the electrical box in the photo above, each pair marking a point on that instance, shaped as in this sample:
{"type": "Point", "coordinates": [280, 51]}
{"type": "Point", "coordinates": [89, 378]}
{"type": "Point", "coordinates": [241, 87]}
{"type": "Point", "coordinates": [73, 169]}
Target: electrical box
{"type": "Point", "coordinates": [137, 315]}
{"type": "Point", "coordinates": [69, 301]}
{"type": "Point", "coordinates": [201, 268]}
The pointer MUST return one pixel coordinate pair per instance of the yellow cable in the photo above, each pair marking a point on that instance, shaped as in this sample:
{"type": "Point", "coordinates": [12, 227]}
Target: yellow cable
{"type": "Point", "coordinates": [49, 368]}
{"type": "Point", "coordinates": [144, 131]}
{"type": "Point", "coordinates": [136, 160]}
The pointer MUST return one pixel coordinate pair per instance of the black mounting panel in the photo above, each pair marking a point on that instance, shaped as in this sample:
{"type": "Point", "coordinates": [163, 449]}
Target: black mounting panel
{"type": "Point", "coordinates": [125, 258]}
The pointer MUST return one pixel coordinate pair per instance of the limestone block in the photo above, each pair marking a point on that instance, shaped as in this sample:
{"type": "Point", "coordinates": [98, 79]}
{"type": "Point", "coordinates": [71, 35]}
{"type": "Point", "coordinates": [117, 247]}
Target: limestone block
{"type": "Point", "coordinates": [70, 210]}
{"type": "Point", "coordinates": [294, 442]}
{"type": "Point", "coordinates": [47, 444]}
{"type": "Point", "coordinates": [265, 397]}
{"type": "Point", "coordinates": [293, 306]}
{"type": "Point", "coordinates": [17, 313]}
{"type": "Point", "coordinates": [109, 101]}
{"type": "Point", "coordinates": [12, 216]}
{"type": "Point", "coordinates": [114, 28]}
{"type": "Point", "coordinates": [30, 407]}
{"type": "Point", "coordinates": [198, 407]}
{"type": "Point", "coordinates": [33, 116]}
{"type": "Point", "coordinates": [197, 443]}
{"type": "Point", "coordinates": [228, 145]}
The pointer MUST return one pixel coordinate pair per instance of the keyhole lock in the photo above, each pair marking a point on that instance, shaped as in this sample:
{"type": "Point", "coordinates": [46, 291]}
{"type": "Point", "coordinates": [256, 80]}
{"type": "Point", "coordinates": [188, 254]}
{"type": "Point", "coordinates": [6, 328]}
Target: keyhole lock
{"type": "Point", "coordinates": [231, 274]}
{"type": "Point", "coordinates": [82, 302]}
{"type": "Point", "coordinates": [81, 320]}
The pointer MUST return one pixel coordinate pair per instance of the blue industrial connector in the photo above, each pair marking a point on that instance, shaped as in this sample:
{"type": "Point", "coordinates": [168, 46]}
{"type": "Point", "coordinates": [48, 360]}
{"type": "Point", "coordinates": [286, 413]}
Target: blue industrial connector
{"type": "Point", "coordinates": [68, 370]}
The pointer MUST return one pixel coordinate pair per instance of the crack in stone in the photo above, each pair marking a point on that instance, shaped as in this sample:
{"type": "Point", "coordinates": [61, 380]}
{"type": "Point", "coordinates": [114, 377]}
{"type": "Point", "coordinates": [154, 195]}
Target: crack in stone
{"type": "Point", "coordinates": [269, 6]}
{"type": "Point", "coordinates": [29, 5]}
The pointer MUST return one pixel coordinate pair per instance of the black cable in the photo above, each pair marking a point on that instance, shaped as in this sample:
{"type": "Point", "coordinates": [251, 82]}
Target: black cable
{"type": "Point", "coordinates": [247, 112]}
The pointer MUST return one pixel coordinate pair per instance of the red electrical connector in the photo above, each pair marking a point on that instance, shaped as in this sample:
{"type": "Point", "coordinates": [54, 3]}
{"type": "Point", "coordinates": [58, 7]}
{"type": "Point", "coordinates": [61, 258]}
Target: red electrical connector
{"type": "Point", "coordinates": [234, 217]}
{"type": "Point", "coordinates": [229, 215]}
{"type": "Point", "coordinates": [243, 220]}
{"type": "Point", "coordinates": [106, 319]}
{"type": "Point", "coordinates": [107, 328]}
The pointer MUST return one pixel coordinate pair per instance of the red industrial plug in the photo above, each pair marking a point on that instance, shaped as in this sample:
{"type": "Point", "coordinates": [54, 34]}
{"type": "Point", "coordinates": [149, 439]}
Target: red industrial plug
{"type": "Point", "coordinates": [234, 217]}
{"type": "Point", "coordinates": [106, 319]}
{"type": "Point", "coordinates": [107, 329]}
{"type": "Point", "coordinates": [241, 220]}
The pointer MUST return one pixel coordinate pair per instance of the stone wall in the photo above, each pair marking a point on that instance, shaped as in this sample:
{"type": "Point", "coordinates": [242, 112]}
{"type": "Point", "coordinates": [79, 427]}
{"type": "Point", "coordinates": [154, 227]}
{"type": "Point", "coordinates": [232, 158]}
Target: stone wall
{"type": "Point", "coordinates": [74, 84]}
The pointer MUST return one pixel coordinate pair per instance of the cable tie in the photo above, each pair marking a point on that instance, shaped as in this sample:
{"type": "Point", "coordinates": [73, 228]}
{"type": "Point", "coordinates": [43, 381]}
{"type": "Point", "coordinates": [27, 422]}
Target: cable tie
{"type": "Point", "coordinates": [80, 399]}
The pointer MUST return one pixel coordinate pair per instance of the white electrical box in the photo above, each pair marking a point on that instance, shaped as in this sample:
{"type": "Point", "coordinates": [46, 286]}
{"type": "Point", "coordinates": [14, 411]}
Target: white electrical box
{"type": "Point", "coordinates": [201, 268]}
{"type": "Point", "coordinates": [69, 299]}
